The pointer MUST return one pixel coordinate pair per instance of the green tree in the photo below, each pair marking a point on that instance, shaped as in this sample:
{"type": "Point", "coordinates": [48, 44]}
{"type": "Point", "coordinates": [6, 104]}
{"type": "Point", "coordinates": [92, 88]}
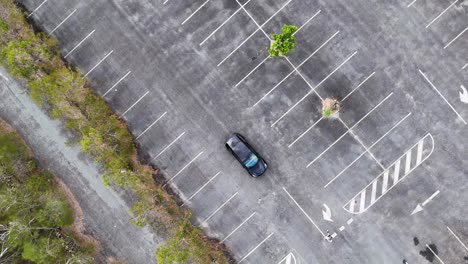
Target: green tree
{"type": "Point", "coordinates": [283, 43]}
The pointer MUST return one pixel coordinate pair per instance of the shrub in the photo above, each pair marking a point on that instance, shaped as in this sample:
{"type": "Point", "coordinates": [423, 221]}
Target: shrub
{"type": "Point", "coordinates": [283, 43]}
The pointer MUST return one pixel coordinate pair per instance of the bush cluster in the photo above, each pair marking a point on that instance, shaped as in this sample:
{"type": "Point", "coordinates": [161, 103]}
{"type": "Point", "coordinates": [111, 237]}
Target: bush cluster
{"type": "Point", "coordinates": [35, 59]}
{"type": "Point", "coordinates": [283, 43]}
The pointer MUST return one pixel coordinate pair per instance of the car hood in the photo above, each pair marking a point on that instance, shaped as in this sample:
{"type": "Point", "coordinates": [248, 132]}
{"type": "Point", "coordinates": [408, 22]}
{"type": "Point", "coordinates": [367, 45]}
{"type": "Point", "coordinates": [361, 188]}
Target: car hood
{"type": "Point", "coordinates": [258, 169]}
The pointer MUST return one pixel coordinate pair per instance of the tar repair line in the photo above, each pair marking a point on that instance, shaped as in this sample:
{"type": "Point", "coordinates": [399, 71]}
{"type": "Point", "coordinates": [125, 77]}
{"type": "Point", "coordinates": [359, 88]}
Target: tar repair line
{"type": "Point", "coordinates": [255, 248]}
{"type": "Point", "coordinates": [181, 170]}
{"type": "Point", "coordinates": [168, 146]}
{"type": "Point", "coordinates": [459, 240]}
{"type": "Point", "coordinates": [320, 119]}
{"type": "Point", "coordinates": [435, 88]}
{"type": "Point", "coordinates": [239, 226]}
{"type": "Point", "coordinates": [251, 35]}
{"type": "Point", "coordinates": [219, 208]}
{"type": "Point", "coordinates": [443, 12]}
{"type": "Point", "coordinates": [258, 65]}
{"type": "Point", "coordinates": [434, 253]}
{"type": "Point", "coordinates": [294, 70]}
{"type": "Point", "coordinates": [313, 88]}
{"type": "Point", "coordinates": [202, 187]}
{"type": "Point", "coordinates": [302, 210]}
{"type": "Point", "coordinates": [97, 64]}
{"type": "Point", "coordinates": [37, 8]}
{"type": "Point", "coordinates": [150, 126]}
{"type": "Point", "coordinates": [117, 83]}
{"type": "Point", "coordinates": [63, 21]}
{"type": "Point", "coordinates": [133, 105]}
{"type": "Point", "coordinates": [362, 154]}
{"type": "Point", "coordinates": [347, 131]}
{"type": "Point", "coordinates": [79, 43]}
{"type": "Point", "coordinates": [220, 26]}
{"type": "Point", "coordinates": [453, 40]}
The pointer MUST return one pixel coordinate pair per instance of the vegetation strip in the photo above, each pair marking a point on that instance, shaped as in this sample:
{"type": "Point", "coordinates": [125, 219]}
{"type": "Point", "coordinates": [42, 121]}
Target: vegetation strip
{"type": "Point", "coordinates": [34, 59]}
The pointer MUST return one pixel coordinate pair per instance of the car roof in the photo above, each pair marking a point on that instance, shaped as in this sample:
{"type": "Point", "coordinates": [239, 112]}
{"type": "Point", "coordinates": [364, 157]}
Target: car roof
{"type": "Point", "coordinates": [241, 150]}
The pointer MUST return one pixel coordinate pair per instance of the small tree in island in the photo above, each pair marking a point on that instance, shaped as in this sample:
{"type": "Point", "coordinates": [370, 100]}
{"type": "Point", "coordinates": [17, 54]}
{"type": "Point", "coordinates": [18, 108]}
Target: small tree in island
{"type": "Point", "coordinates": [283, 43]}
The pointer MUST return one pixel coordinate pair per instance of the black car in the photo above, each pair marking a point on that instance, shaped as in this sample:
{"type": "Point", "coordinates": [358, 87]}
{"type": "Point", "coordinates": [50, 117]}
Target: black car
{"type": "Point", "coordinates": [246, 155]}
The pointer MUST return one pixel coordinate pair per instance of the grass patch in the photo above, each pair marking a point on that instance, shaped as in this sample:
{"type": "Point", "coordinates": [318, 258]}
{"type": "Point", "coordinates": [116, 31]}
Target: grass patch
{"type": "Point", "coordinates": [35, 59]}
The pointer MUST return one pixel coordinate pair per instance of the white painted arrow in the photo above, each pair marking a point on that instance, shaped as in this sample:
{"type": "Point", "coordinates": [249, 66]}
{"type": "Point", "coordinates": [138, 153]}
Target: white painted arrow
{"type": "Point", "coordinates": [419, 207]}
{"type": "Point", "coordinates": [326, 213]}
{"type": "Point", "coordinates": [464, 95]}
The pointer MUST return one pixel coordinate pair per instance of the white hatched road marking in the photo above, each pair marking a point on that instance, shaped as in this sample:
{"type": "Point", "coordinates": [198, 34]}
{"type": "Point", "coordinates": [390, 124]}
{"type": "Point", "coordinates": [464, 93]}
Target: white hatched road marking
{"type": "Point", "coordinates": [435, 88]}
{"type": "Point", "coordinates": [150, 126]}
{"type": "Point", "coordinates": [408, 162]}
{"type": "Point", "coordinates": [302, 210]}
{"type": "Point", "coordinates": [363, 153]}
{"type": "Point", "coordinates": [443, 12]}
{"type": "Point", "coordinates": [181, 170]}
{"type": "Point", "coordinates": [37, 8]}
{"type": "Point", "coordinates": [219, 208]}
{"type": "Point", "coordinates": [117, 83]}
{"type": "Point", "coordinates": [459, 240]}
{"type": "Point", "coordinates": [349, 221]}
{"type": "Point", "coordinates": [347, 131]}
{"type": "Point", "coordinates": [419, 155]}
{"type": "Point", "coordinates": [252, 34]}
{"type": "Point", "coordinates": [63, 21]}
{"type": "Point", "coordinates": [255, 248]}
{"type": "Point", "coordinates": [313, 89]}
{"type": "Point", "coordinates": [79, 43]}
{"type": "Point", "coordinates": [374, 191]}
{"type": "Point", "coordinates": [453, 40]}
{"type": "Point", "coordinates": [196, 11]}
{"type": "Point", "coordinates": [245, 77]}
{"type": "Point", "coordinates": [320, 119]}
{"type": "Point", "coordinates": [133, 105]}
{"type": "Point", "coordinates": [434, 253]}
{"type": "Point", "coordinates": [202, 187]}
{"type": "Point", "coordinates": [239, 226]}
{"type": "Point", "coordinates": [220, 26]}
{"type": "Point", "coordinates": [168, 146]}
{"type": "Point", "coordinates": [294, 70]}
{"type": "Point", "coordinates": [98, 63]}
{"type": "Point", "coordinates": [288, 259]}
{"type": "Point", "coordinates": [349, 206]}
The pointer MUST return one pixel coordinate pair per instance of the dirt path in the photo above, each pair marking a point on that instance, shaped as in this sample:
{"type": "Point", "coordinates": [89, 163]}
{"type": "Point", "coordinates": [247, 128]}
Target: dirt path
{"type": "Point", "coordinates": [105, 213]}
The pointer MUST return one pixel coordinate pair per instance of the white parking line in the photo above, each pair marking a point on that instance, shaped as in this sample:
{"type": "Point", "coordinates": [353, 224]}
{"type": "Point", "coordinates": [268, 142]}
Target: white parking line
{"type": "Point", "coordinates": [435, 88]}
{"type": "Point", "coordinates": [143, 96]}
{"type": "Point", "coordinates": [152, 124]}
{"type": "Point", "coordinates": [165, 2]}
{"type": "Point", "coordinates": [313, 89]}
{"type": "Point", "coordinates": [251, 251]}
{"type": "Point", "coordinates": [220, 26]}
{"type": "Point", "coordinates": [347, 131]}
{"type": "Point", "coordinates": [219, 208]}
{"type": "Point", "coordinates": [251, 35]}
{"type": "Point", "coordinates": [466, 65]}
{"type": "Point", "coordinates": [201, 188]}
{"type": "Point", "coordinates": [453, 40]}
{"type": "Point", "coordinates": [308, 20]}
{"type": "Point", "coordinates": [168, 146]}
{"type": "Point", "coordinates": [434, 253]}
{"type": "Point", "coordinates": [344, 98]}
{"type": "Point", "coordinates": [6, 79]}
{"type": "Point", "coordinates": [79, 43]}
{"type": "Point", "coordinates": [181, 170]}
{"type": "Point", "coordinates": [63, 21]}
{"type": "Point", "coordinates": [295, 69]}
{"type": "Point", "coordinates": [198, 9]}
{"type": "Point", "coordinates": [459, 240]}
{"type": "Point", "coordinates": [362, 154]}
{"type": "Point", "coordinates": [37, 8]}
{"type": "Point", "coordinates": [117, 83]}
{"type": "Point", "coordinates": [99, 62]}
{"type": "Point", "coordinates": [302, 210]}
{"type": "Point", "coordinates": [443, 12]}
{"type": "Point", "coordinates": [410, 4]}
{"type": "Point", "coordinates": [239, 226]}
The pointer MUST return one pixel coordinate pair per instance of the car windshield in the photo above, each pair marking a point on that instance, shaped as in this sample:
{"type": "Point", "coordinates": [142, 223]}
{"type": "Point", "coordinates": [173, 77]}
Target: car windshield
{"type": "Point", "coordinates": [251, 161]}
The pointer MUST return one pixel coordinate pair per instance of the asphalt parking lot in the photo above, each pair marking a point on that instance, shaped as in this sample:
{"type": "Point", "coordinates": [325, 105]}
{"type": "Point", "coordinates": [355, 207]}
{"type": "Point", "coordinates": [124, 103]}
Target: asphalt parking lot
{"type": "Point", "coordinates": [186, 74]}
